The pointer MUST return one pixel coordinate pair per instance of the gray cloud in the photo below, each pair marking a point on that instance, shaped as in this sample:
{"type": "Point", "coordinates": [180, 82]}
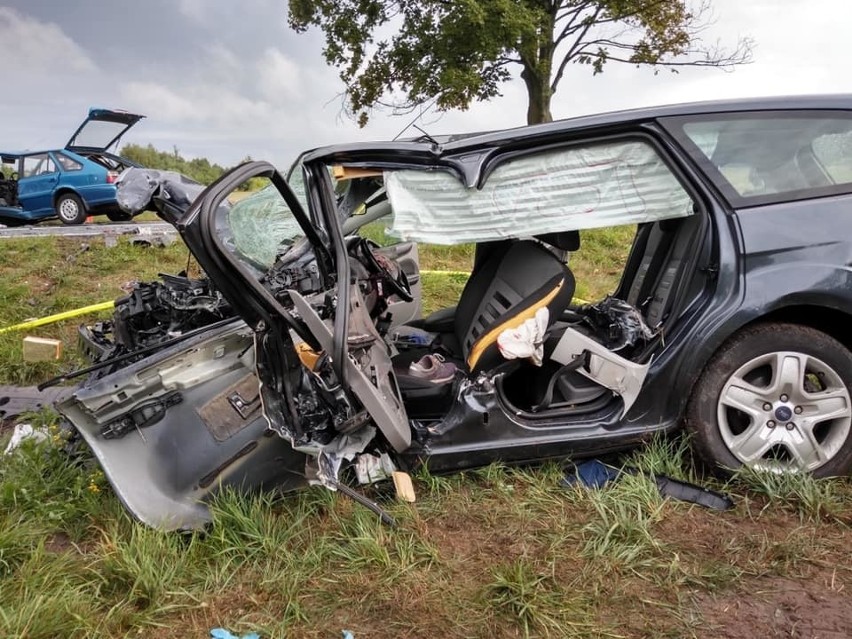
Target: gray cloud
{"type": "Point", "coordinates": [226, 80]}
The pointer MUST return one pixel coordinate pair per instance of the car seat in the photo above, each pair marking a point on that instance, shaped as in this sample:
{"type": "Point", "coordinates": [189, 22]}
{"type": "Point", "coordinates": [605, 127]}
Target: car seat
{"type": "Point", "coordinates": [507, 287]}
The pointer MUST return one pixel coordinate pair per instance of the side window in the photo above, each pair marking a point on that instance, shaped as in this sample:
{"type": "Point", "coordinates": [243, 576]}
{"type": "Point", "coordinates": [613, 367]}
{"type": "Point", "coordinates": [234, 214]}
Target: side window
{"type": "Point", "coordinates": [67, 163]}
{"type": "Point", "coordinates": [40, 164]}
{"type": "Point", "coordinates": [834, 152]}
{"type": "Point", "coordinates": [773, 156]}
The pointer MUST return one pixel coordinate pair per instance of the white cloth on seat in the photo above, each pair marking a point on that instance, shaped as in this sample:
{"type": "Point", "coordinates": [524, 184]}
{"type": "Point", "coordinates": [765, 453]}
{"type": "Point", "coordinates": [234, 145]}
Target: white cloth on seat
{"type": "Point", "coordinates": [527, 340]}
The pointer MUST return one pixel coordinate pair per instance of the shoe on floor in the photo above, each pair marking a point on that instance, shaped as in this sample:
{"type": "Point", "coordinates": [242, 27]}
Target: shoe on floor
{"type": "Point", "coordinates": [433, 368]}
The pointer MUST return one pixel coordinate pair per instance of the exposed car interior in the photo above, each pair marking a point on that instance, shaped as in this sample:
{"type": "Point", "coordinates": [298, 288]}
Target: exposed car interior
{"type": "Point", "coordinates": [513, 278]}
{"type": "Point", "coordinates": [9, 181]}
{"type": "Point", "coordinates": [510, 279]}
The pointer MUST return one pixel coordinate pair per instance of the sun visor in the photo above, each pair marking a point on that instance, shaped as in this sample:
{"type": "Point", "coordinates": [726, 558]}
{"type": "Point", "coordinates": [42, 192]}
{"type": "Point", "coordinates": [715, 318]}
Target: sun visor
{"type": "Point", "coordinates": [579, 187]}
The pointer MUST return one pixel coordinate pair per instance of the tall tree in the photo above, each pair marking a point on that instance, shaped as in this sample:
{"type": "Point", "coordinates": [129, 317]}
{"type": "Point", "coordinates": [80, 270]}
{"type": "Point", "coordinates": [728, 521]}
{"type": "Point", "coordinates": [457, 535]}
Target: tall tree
{"type": "Point", "coordinates": [406, 53]}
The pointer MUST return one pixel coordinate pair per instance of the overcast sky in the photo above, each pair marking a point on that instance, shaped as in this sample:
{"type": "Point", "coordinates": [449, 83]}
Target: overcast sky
{"type": "Point", "coordinates": [226, 79]}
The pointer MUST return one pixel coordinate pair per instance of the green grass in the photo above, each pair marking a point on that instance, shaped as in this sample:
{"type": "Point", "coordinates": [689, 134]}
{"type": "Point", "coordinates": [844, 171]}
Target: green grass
{"type": "Point", "coordinates": [499, 552]}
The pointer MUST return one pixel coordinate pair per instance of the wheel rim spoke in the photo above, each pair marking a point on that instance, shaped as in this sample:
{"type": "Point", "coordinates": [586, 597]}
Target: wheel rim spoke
{"type": "Point", "coordinates": [752, 444]}
{"type": "Point", "coordinates": [831, 404]}
{"type": "Point", "coordinates": [744, 397]}
{"type": "Point", "coordinates": [805, 449]}
{"type": "Point", "coordinates": [789, 374]}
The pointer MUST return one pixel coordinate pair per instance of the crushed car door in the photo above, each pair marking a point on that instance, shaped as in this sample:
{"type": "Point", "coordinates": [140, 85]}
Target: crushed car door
{"type": "Point", "coordinates": [326, 377]}
{"type": "Point", "coordinates": [174, 428]}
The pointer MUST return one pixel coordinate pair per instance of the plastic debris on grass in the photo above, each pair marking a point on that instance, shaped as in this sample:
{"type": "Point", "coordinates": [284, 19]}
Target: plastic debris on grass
{"type": "Point", "coordinates": [22, 433]}
{"type": "Point", "coordinates": [221, 633]}
{"type": "Point", "coordinates": [595, 474]}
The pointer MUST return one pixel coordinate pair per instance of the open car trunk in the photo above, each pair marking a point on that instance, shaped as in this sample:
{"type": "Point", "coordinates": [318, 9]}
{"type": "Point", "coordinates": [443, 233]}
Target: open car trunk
{"type": "Point", "coordinates": [101, 130]}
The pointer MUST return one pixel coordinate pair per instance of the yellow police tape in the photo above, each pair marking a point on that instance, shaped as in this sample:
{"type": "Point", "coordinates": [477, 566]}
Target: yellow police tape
{"type": "Point", "coordinates": [58, 317]}
{"type": "Point", "coordinates": [426, 272]}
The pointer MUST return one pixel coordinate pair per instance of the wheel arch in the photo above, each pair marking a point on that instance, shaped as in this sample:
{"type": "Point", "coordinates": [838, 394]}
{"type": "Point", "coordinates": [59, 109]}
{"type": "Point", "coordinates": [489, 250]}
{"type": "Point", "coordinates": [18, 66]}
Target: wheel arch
{"type": "Point", "coordinates": [828, 319]}
{"type": "Point", "coordinates": [67, 190]}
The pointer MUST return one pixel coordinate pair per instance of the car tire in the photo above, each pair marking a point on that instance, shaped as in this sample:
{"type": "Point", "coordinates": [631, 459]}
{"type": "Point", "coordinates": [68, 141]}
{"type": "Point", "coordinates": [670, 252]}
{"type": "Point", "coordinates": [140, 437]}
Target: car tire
{"type": "Point", "coordinates": [119, 216]}
{"type": "Point", "coordinates": [775, 397]}
{"type": "Point", "coordinates": [70, 209]}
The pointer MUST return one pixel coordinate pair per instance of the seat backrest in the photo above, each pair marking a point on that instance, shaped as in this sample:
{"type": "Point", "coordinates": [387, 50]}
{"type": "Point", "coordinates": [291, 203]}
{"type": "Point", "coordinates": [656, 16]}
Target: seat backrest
{"type": "Point", "coordinates": [655, 242]}
{"type": "Point", "coordinates": [507, 288]}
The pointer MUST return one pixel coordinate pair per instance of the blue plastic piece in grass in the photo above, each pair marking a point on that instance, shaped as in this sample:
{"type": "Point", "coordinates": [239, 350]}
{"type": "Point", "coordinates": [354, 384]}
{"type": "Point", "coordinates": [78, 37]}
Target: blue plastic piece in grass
{"type": "Point", "coordinates": [221, 633]}
{"type": "Point", "coordinates": [591, 474]}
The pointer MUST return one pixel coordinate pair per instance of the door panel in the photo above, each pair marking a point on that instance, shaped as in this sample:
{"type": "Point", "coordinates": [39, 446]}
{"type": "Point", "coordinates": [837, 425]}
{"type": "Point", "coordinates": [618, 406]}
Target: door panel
{"type": "Point", "coordinates": [171, 430]}
{"type": "Point", "coordinates": [265, 255]}
{"type": "Point", "coordinates": [38, 180]}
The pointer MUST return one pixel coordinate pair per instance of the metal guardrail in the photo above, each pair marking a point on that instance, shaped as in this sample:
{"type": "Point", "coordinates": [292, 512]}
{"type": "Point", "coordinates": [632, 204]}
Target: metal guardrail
{"type": "Point", "coordinates": [152, 232]}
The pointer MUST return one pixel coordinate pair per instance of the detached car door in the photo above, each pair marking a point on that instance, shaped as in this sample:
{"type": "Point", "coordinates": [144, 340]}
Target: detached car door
{"type": "Point", "coordinates": [327, 382]}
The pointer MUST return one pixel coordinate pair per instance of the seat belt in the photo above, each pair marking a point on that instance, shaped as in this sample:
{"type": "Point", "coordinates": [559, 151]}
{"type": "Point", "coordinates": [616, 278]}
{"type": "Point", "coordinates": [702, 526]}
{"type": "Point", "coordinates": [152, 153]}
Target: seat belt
{"type": "Point", "coordinates": [652, 275]}
{"type": "Point", "coordinates": [573, 365]}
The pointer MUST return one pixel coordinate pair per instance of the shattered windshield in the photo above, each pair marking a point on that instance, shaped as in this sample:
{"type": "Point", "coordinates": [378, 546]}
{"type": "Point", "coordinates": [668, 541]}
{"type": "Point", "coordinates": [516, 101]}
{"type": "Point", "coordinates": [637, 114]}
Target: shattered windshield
{"type": "Point", "coordinates": [258, 226]}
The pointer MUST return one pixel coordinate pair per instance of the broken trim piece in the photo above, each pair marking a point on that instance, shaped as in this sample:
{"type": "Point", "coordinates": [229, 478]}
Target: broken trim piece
{"type": "Point", "coordinates": [604, 367]}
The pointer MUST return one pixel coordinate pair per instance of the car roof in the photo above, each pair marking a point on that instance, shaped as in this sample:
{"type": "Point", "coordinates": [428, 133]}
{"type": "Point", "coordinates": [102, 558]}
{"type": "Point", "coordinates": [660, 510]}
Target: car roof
{"type": "Point", "coordinates": [20, 153]}
{"type": "Point", "coordinates": [441, 145]}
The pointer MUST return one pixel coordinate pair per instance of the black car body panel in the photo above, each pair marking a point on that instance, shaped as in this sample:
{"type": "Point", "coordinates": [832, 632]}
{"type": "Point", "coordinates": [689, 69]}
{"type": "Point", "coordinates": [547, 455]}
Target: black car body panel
{"type": "Point", "coordinates": [699, 280]}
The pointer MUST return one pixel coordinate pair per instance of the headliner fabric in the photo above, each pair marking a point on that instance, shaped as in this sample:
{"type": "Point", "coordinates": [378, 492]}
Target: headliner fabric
{"type": "Point", "coordinates": [573, 188]}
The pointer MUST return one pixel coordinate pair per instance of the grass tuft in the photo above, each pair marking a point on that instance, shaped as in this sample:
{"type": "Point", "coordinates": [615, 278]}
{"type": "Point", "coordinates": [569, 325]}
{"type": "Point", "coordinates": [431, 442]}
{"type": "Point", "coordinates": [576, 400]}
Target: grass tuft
{"type": "Point", "coordinates": [622, 533]}
{"type": "Point", "coordinates": [810, 498]}
{"type": "Point", "coordinates": [525, 595]}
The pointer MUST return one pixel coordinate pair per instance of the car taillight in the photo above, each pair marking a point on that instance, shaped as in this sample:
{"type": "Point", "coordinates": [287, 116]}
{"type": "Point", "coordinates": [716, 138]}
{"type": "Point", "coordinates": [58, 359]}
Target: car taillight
{"type": "Point", "coordinates": [112, 177]}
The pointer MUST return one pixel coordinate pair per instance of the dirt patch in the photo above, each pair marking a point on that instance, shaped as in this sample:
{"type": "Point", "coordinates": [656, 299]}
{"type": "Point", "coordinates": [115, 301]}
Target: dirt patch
{"type": "Point", "coordinates": [58, 543]}
{"type": "Point", "coordinates": [781, 607]}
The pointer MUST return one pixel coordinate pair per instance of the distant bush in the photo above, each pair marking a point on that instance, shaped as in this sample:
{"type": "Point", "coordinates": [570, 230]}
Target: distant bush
{"type": "Point", "coordinates": [199, 169]}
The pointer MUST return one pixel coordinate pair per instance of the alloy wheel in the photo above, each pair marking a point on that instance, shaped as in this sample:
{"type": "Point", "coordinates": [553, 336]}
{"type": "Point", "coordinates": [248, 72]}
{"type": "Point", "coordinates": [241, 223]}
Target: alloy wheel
{"type": "Point", "coordinates": [68, 209]}
{"type": "Point", "coordinates": [784, 411]}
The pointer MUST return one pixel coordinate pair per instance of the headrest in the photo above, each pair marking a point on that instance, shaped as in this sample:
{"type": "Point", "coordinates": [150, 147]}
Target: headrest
{"type": "Point", "coordinates": [563, 240]}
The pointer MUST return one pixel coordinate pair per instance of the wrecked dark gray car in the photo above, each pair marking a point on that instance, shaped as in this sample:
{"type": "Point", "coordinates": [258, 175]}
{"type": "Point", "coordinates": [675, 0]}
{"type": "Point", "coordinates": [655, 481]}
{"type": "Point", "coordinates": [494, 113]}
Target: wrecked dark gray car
{"type": "Point", "coordinates": [291, 362]}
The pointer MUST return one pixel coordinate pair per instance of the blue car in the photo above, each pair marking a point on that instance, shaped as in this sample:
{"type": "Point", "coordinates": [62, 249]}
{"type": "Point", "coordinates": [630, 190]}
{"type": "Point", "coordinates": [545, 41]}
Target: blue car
{"type": "Point", "coordinates": [70, 183]}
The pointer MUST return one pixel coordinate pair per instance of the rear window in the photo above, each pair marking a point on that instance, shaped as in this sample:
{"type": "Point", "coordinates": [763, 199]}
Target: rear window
{"type": "Point", "coordinates": [68, 164]}
{"type": "Point", "coordinates": [773, 157]}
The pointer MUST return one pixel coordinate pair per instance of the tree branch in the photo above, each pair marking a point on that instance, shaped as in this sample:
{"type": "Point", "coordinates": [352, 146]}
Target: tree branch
{"type": "Point", "coordinates": [572, 51]}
